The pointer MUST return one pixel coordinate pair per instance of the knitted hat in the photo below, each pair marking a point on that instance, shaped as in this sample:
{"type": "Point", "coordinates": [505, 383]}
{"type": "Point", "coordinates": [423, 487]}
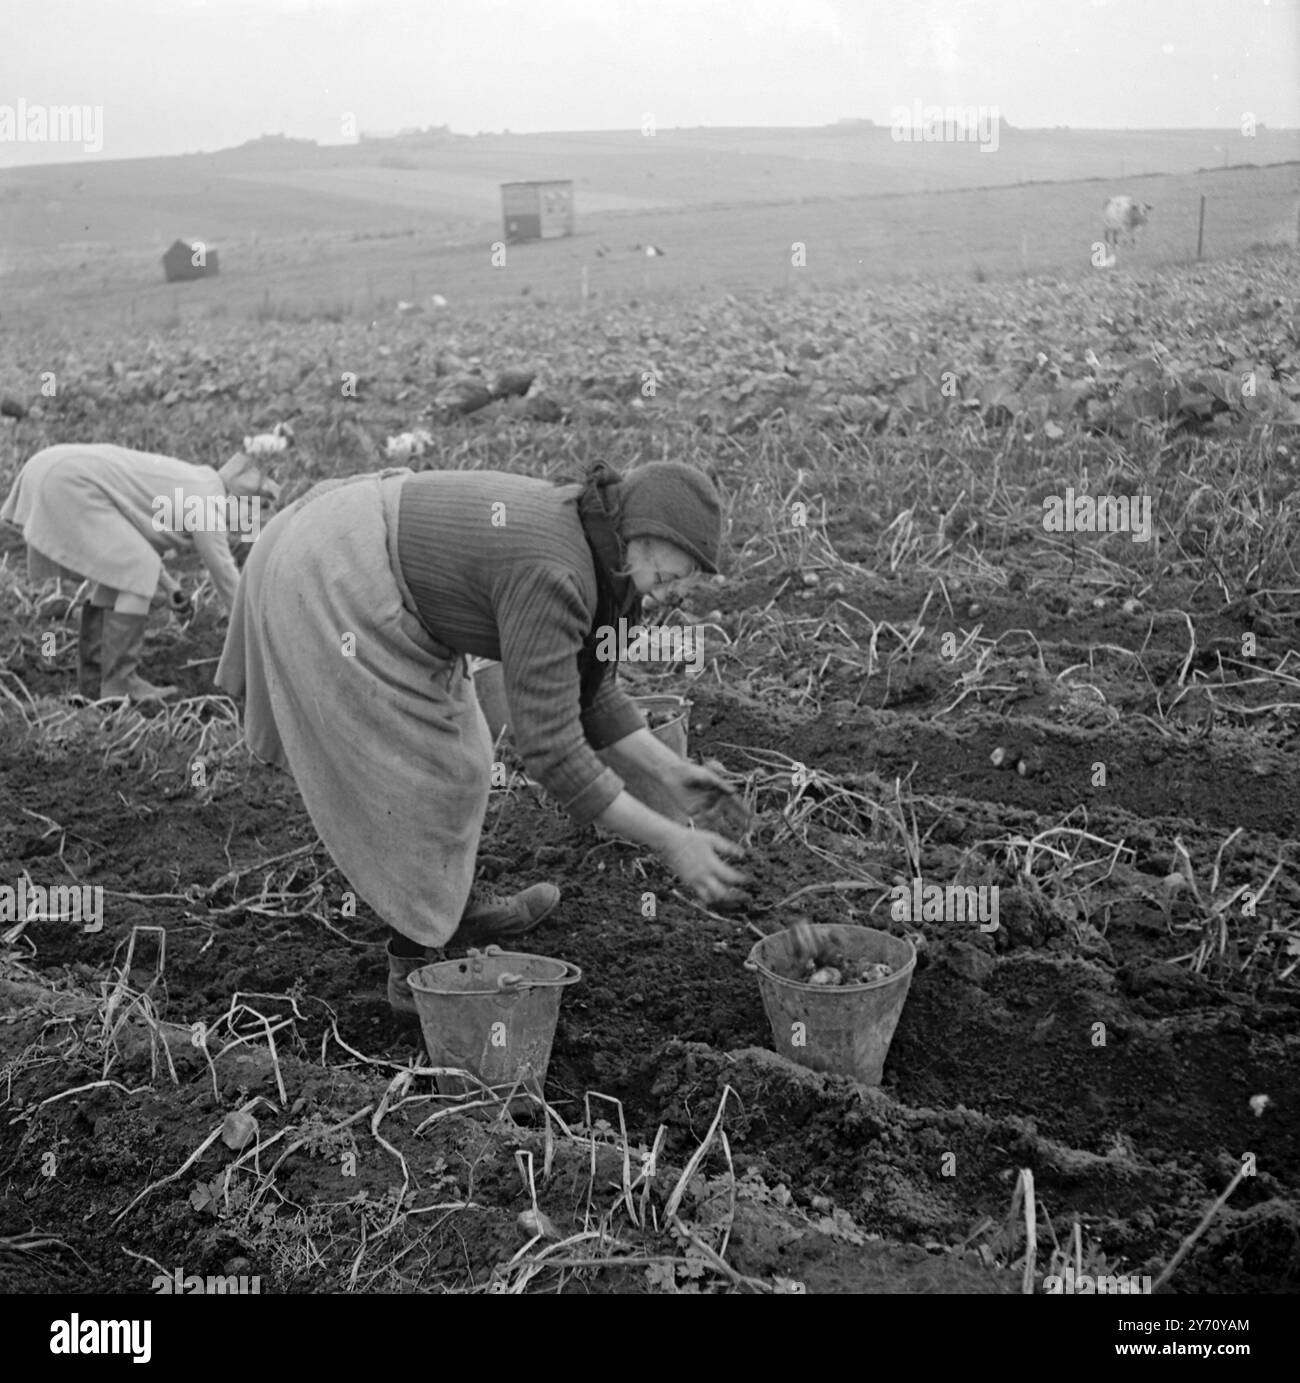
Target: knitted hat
{"type": "Point", "coordinates": [675, 502]}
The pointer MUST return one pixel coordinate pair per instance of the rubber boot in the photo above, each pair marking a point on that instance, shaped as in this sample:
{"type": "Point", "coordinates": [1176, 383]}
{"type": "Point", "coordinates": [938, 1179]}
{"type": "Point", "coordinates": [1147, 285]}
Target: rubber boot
{"type": "Point", "coordinates": [90, 641]}
{"type": "Point", "coordinates": [400, 998]}
{"type": "Point", "coordinates": [493, 919]}
{"type": "Point", "coordinates": [123, 642]}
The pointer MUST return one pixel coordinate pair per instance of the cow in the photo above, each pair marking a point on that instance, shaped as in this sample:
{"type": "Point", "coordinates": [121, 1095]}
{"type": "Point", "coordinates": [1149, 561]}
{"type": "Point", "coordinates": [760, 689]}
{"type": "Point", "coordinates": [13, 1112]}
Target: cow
{"type": "Point", "coordinates": [1124, 216]}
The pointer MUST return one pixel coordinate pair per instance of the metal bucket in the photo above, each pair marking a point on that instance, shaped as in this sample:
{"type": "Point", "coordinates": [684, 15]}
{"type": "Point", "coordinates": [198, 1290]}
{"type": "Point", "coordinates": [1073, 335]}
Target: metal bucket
{"type": "Point", "coordinates": [492, 1014]}
{"type": "Point", "coordinates": [667, 717]}
{"type": "Point", "coordinates": [841, 1029]}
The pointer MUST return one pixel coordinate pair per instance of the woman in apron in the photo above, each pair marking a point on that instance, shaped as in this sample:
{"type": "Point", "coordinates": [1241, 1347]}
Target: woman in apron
{"type": "Point", "coordinates": [107, 514]}
{"type": "Point", "coordinates": [356, 615]}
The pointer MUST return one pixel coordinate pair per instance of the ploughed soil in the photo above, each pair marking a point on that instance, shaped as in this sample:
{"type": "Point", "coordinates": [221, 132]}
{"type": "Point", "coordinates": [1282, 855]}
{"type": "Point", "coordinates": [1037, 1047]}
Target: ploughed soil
{"type": "Point", "coordinates": [1087, 1040]}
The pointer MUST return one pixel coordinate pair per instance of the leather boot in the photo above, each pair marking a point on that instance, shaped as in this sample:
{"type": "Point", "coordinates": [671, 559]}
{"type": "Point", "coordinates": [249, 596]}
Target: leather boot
{"type": "Point", "coordinates": [400, 998]}
{"type": "Point", "coordinates": [123, 642]}
{"type": "Point", "coordinates": [490, 918]}
{"type": "Point", "coordinates": [90, 640]}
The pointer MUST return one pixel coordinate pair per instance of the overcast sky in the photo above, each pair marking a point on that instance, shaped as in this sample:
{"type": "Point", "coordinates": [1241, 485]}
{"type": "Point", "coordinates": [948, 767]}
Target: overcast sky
{"type": "Point", "coordinates": [179, 75]}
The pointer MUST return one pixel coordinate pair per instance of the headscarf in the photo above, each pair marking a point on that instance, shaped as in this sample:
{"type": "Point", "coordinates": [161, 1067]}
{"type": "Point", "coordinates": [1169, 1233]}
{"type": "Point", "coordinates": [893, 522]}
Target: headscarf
{"type": "Point", "coordinates": [616, 596]}
{"type": "Point", "coordinates": [677, 503]}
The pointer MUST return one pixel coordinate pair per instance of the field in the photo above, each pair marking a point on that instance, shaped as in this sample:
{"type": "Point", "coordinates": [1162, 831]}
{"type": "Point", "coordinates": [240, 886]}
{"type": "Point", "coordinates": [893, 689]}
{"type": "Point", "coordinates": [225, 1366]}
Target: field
{"type": "Point", "coordinates": [349, 231]}
{"type": "Point", "coordinates": [908, 675]}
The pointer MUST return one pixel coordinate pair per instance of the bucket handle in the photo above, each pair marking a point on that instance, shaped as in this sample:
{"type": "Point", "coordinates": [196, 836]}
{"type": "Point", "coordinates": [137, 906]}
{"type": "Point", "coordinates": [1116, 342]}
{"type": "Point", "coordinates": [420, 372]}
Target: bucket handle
{"type": "Point", "coordinates": [662, 703]}
{"type": "Point", "coordinates": [515, 983]}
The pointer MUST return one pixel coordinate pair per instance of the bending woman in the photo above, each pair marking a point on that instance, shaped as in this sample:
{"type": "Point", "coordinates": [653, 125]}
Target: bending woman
{"type": "Point", "coordinates": [352, 625]}
{"type": "Point", "coordinates": [107, 514]}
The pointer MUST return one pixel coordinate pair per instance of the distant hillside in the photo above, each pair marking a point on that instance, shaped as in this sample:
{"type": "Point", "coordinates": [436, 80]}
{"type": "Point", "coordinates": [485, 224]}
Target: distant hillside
{"type": "Point", "coordinates": [446, 186]}
{"type": "Point", "coordinates": [1010, 230]}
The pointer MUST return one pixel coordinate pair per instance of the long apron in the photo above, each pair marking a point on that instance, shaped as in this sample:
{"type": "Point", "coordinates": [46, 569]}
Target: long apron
{"type": "Point", "coordinates": [377, 721]}
{"type": "Point", "coordinates": [75, 531]}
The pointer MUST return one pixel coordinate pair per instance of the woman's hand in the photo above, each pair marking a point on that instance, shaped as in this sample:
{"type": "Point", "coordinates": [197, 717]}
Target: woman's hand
{"type": "Point", "coordinates": [699, 859]}
{"type": "Point", "coordinates": [170, 595]}
{"type": "Point", "coordinates": [706, 798]}
{"type": "Point", "coordinates": [167, 586]}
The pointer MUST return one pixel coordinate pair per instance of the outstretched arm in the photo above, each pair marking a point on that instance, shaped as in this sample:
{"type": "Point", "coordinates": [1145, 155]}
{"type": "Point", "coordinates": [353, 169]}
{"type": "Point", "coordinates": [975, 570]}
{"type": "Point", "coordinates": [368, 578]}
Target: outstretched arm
{"type": "Point", "coordinates": [697, 858]}
{"type": "Point", "coordinates": [214, 549]}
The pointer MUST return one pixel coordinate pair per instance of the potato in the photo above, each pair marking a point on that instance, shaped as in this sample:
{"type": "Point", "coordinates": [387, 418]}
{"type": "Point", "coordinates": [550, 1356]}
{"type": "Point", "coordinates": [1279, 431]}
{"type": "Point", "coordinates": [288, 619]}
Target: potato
{"type": "Point", "coordinates": [869, 971]}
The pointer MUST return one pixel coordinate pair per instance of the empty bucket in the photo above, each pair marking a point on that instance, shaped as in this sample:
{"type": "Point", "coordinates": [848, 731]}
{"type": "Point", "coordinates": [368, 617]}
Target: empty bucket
{"type": "Point", "coordinates": [841, 1029]}
{"type": "Point", "coordinates": [492, 1014]}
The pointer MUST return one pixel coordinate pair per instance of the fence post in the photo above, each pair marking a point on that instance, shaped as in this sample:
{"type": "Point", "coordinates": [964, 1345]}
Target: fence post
{"type": "Point", "coordinates": [1200, 228]}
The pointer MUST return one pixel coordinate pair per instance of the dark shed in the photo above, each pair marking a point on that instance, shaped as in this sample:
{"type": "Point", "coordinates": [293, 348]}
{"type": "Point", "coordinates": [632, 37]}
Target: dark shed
{"type": "Point", "coordinates": [189, 261]}
{"type": "Point", "coordinates": [537, 210]}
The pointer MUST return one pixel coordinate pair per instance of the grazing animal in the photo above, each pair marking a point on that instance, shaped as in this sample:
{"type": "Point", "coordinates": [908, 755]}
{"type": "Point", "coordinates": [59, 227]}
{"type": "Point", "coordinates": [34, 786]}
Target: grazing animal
{"type": "Point", "coordinates": [1124, 216]}
{"type": "Point", "coordinates": [653, 251]}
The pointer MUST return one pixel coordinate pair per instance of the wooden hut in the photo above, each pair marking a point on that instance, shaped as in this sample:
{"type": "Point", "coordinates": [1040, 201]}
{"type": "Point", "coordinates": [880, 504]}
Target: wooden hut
{"type": "Point", "coordinates": [537, 210]}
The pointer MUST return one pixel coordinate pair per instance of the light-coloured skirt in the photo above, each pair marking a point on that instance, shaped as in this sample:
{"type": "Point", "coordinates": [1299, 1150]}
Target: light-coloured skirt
{"type": "Point", "coordinates": [73, 532]}
{"type": "Point", "coordinates": [379, 726]}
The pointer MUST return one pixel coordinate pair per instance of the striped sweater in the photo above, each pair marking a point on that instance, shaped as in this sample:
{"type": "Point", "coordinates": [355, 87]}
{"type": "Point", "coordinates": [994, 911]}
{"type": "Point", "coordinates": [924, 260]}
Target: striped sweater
{"type": "Point", "coordinates": [499, 567]}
